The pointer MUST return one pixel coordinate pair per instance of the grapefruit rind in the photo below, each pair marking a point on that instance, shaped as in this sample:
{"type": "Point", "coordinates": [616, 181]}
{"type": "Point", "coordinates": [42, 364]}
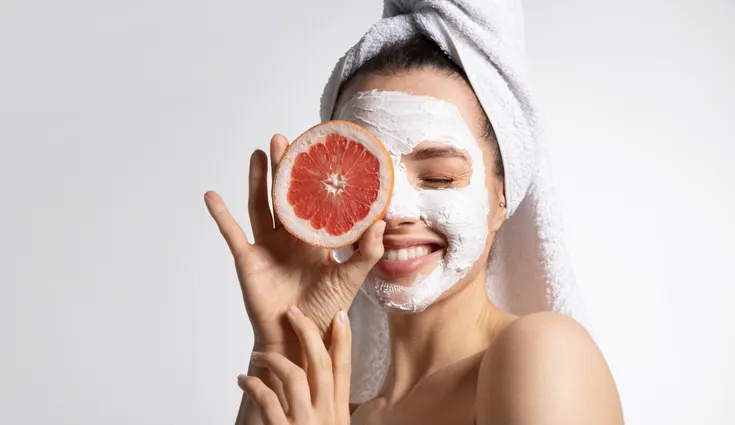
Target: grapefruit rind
{"type": "Point", "coordinates": [301, 228]}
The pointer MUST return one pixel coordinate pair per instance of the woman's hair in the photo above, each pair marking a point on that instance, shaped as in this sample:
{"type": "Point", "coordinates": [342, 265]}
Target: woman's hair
{"type": "Point", "coordinates": [420, 52]}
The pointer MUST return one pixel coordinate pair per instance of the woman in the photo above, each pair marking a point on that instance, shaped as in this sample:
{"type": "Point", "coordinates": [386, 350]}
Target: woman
{"type": "Point", "coordinates": [455, 356]}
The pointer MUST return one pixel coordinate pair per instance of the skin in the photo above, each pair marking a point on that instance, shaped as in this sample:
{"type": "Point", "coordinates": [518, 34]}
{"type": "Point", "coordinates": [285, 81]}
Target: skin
{"type": "Point", "coordinates": [278, 271]}
{"type": "Point", "coordinates": [317, 395]}
{"type": "Point", "coordinates": [463, 360]}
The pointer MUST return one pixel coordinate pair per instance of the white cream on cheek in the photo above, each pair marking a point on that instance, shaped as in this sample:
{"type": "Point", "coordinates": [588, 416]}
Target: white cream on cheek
{"type": "Point", "coordinates": [402, 121]}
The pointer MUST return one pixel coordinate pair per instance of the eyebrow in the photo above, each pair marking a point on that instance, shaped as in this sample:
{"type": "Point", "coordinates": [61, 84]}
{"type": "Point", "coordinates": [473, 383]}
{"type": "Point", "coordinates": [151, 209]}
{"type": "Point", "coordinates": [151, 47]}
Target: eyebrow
{"type": "Point", "coordinates": [430, 153]}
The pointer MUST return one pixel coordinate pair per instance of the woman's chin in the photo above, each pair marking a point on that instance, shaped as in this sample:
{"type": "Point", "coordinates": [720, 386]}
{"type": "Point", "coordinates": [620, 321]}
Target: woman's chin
{"type": "Point", "coordinates": [405, 272]}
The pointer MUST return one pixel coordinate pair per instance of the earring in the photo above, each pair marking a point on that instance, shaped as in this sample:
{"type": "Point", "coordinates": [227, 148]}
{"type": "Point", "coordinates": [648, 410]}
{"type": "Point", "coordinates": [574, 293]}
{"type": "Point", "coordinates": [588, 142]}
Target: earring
{"type": "Point", "coordinates": [502, 205]}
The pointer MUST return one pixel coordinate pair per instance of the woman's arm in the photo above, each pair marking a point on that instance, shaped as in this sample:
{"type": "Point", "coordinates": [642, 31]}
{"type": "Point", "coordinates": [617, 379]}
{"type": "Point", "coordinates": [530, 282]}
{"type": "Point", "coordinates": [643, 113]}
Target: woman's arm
{"type": "Point", "coordinates": [545, 369]}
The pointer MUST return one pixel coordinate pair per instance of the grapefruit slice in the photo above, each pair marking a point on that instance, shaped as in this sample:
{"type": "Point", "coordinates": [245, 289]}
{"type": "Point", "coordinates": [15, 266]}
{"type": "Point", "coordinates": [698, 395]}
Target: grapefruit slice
{"type": "Point", "coordinates": [333, 182]}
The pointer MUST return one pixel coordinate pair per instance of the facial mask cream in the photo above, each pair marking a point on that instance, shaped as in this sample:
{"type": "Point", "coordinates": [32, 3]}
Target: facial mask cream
{"type": "Point", "coordinates": [401, 122]}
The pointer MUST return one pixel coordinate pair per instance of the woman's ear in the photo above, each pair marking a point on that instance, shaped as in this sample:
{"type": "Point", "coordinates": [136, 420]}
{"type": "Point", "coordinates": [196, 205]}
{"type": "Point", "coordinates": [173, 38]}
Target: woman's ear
{"type": "Point", "coordinates": [499, 209]}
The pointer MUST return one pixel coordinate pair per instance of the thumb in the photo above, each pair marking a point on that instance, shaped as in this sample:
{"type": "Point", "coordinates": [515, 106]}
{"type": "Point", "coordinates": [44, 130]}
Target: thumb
{"type": "Point", "coordinates": [369, 253]}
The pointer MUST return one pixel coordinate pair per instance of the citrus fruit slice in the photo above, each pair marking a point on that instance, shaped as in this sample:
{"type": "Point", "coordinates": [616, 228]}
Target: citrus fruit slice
{"type": "Point", "coordinates": [332, 183]}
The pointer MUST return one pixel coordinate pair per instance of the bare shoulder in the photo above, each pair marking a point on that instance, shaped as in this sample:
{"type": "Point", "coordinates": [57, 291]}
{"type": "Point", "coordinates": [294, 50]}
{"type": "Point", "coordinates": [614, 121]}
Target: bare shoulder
{"type": "Point", "coordinates": [545, 368]}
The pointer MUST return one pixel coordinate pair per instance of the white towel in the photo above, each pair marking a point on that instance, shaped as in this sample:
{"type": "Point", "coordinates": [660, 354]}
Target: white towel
{"type": "Point", "coordinates": [530, 271]}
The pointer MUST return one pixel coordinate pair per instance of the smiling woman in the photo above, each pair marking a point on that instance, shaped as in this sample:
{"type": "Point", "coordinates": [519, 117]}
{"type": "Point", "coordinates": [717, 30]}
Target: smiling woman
{"type": "Point", "coordinates": [459, 214]}
{"type": "Point", "coordinates": [434, 342]}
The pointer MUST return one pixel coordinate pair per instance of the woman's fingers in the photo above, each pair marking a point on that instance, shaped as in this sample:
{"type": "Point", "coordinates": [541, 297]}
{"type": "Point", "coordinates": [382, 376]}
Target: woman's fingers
{"type": "Point", "coordinates": [319, 364]}
{"type": "Point", "coordinates": [342, 363]}
{"type": "Point", "coordinates": [260, 213]}
{"type": "Point", "coordinates": [270, 408]}
{"type": "Point", "coordinates": [293, 378]}
{"type": "Point", "coordinates": [279, 144]}
{"type": "Point", "coordinates": [231, 231]}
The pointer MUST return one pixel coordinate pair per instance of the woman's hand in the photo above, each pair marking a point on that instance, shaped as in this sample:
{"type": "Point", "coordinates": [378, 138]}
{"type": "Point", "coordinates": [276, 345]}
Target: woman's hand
{"type": "Point", "coordinates": [279, 271]}
{"type": "Point", "coordinates": [317, 394]}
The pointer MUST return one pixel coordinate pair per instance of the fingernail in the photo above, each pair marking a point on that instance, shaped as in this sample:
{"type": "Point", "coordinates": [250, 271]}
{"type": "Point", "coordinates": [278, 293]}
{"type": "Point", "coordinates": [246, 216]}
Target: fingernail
{"type": "Point", "coordinates": [241, 380]}
{"type": "Point", "coordinates": [256, 358]}
{"type": "Point", "coordinates": [343, 317]}
{"type": "Point", "coordinates": [295, 310]}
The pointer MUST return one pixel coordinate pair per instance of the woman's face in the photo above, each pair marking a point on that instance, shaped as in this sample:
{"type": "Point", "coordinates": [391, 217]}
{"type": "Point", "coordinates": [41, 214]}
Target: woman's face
{"type": "Point", "coordinates": [444, 211]}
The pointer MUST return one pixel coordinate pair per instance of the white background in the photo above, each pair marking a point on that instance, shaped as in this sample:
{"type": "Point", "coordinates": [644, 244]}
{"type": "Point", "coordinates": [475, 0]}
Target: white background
{"type": "Point", "coordinates": [119, 303]}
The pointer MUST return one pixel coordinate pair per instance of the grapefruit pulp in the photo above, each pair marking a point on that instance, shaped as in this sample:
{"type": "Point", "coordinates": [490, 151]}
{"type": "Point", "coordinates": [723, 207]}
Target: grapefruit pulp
{"type": "Point", "coordinates": [333, 182]}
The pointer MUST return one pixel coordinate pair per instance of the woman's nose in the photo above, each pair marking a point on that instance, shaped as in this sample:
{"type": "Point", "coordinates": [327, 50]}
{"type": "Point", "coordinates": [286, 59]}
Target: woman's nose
{"type": "Point", "coordinates": [405, 201]}
{"type": "Point", "coordinates": [400, 222]}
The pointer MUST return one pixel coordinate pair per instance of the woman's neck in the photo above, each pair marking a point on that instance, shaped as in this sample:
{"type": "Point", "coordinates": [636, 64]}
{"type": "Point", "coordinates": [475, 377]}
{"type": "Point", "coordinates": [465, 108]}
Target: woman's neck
{"type": "Point", "coordinates": [462, 324]}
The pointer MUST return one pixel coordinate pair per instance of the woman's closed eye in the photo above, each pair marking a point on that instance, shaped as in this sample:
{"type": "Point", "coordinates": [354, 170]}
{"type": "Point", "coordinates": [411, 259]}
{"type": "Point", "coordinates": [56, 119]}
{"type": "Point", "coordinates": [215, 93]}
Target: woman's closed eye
{"type": "Point", "coordinates": [442, 174]}
{"type": "Point", "coordinates": [438, 181]}
{"type": "Point", "coordinates": [439, 167]}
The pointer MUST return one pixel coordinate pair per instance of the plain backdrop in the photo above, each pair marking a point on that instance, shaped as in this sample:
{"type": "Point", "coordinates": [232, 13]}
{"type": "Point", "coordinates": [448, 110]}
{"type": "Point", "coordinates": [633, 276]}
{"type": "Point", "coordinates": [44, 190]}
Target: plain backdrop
{"type": "Point", "coordinates": [118, 301]}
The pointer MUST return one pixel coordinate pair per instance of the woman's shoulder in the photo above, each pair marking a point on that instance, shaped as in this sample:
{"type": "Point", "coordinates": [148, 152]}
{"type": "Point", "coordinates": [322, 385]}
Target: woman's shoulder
{"type": "Point", "coordinates": [543, 340]}
{"type": "Point", "coordinates": [546, 364]}
{"type": "Point", "coordinates": [533, 330]}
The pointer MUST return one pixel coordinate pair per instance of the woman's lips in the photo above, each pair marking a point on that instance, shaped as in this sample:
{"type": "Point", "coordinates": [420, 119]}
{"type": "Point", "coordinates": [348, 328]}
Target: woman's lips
{"type": "Point", "coordinates": [391, 269]}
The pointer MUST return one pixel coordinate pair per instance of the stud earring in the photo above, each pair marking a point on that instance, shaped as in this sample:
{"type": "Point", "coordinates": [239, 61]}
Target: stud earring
{"type": "Point", "coordinates": [502, 205]}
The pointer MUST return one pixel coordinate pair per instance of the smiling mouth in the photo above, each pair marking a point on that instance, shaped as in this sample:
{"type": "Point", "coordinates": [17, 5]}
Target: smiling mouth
{"type": "Point", "coordinates": [409, 253]}
{"type": "Point", "coordinates": [400, 266]}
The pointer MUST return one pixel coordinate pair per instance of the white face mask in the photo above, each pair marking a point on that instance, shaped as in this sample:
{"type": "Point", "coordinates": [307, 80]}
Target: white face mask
{"type": "Point", "coordinates": [402, 121]}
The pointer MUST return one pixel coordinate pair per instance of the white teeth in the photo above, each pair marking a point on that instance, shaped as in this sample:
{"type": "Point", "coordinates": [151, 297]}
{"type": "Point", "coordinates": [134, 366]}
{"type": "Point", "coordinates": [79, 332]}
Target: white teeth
{"type": "Point", "coordinates": [406, 254]}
